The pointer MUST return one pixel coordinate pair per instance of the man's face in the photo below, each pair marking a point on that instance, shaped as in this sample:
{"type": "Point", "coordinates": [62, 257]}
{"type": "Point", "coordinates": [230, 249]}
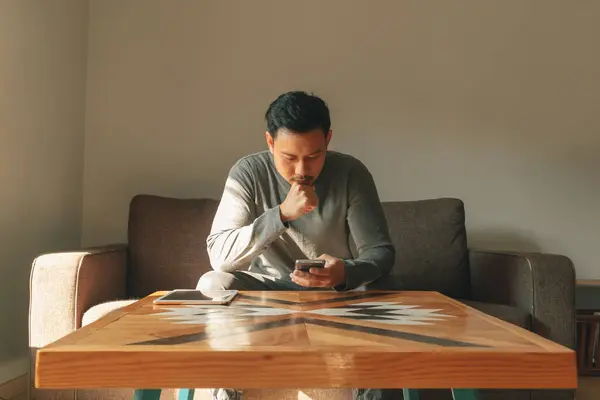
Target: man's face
{"type": "Point", "coordinates": [299, 156]}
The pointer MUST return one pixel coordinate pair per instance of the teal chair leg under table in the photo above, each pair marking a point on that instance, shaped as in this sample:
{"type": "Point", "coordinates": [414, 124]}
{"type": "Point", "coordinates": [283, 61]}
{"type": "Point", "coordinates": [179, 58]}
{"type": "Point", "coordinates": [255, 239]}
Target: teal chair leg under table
{"type": "Point", "coordinates": [465, 394]}
{"type": "Point", "coordinates": [457, 394]}
{"type": "Point", "coordinates": [154, 394]}
{"type": "Point", "coordinates": [147, 394]}
{"type": "Point", "coordinates": [410, 394]}
{"type": "Point", "coordinates": [186, 394]}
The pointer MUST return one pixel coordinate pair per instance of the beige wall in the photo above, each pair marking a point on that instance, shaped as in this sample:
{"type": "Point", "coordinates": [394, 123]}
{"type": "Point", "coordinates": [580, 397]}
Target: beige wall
{"type": "Point", "coordinates": [494, 102]}
{"type": "Point", "coordinates": [42, 82]}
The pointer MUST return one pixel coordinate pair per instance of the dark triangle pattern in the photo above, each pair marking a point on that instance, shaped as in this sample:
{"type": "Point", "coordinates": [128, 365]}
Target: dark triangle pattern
{"type": "Point", "coordinates": [220, 331]}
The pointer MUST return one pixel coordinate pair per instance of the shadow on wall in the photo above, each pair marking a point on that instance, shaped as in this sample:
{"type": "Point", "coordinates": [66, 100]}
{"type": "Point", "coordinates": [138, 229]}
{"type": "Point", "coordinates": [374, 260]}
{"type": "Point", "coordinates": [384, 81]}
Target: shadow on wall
{"type": "Point", "coordinates": [502, 240]}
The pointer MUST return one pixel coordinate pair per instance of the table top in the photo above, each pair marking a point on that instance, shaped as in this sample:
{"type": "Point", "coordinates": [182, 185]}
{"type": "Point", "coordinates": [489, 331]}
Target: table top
{"type": "Point", "coordinates": [311, 339]}
{"type": "Point", "coordinates": [588, 282]}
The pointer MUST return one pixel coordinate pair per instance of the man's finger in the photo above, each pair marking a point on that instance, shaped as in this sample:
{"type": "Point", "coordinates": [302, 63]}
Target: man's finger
{"type": "Point", "coordinates": [320, 271]}
{"type": "Point", "coordinates": [316, 280]}
{"type": "Point", "coordinates": [299, 280]}
{"type": "Point", "coordinates": [300, 274]}
{"type": "Point", "coordinates": [308, 280]}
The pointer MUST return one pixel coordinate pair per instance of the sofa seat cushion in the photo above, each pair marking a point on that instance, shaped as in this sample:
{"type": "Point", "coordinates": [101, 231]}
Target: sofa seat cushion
{"type": "Point", "coordinates": [102, 309]}
{"type": "Point", "coordinates": [505, 313]}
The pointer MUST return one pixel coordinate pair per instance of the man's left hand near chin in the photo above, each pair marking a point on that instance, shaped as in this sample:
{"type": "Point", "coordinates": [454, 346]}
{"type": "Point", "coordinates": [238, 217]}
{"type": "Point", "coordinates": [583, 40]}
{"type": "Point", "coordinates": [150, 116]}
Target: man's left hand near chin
{"type": "Point", "coordinates": [332, 275]}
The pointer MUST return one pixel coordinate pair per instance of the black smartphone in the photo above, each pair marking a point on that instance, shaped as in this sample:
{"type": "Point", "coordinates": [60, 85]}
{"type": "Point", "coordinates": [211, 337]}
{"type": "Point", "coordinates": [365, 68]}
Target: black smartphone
{"type": "Point", "coordinates": [306, 265]}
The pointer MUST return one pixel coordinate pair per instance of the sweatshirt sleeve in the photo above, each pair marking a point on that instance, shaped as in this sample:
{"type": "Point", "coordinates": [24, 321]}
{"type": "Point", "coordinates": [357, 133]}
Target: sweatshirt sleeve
{"type": "Point", "coordinates": [369, 229]}
{"type": "Point", "coordinates": [237, 234]}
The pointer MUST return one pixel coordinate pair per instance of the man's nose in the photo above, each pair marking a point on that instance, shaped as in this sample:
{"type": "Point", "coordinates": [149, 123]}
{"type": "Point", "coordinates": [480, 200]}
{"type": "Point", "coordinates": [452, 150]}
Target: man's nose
{"type": "Point", "coordinates": [301, 168]}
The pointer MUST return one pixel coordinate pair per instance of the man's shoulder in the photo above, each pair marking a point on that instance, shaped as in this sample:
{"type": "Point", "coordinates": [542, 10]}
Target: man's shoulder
{"type": "Point", "coordinates": [253, 162]}
{"type": "Point", "coordinates": [343, 158]}
{"type": "Point", "coordinates": [251, 167]}
{"type": "Point", "coordinates": [345, 162]}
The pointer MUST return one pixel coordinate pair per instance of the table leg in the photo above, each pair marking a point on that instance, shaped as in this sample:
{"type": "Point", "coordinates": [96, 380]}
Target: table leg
{"type": "Point", "coordinates": [147, 394]}
{"type": "Point", "coordinates": [410, 394]}
{"type": "Point", "coordinates": [465, 394]}
{"type": "Point", "coordinates": [186, 394]}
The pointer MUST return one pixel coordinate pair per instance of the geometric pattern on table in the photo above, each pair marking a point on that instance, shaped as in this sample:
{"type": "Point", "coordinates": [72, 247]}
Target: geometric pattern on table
{"type": "Point", "coordinates": [221, 319]}
{"type": "Point", "coordinates": [385, 312]}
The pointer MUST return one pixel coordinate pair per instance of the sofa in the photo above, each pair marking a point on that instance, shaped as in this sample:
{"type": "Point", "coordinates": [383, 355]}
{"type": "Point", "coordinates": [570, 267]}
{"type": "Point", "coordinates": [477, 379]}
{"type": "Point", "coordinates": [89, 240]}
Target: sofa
{"type": "Point", "coordinates": [166, 249]}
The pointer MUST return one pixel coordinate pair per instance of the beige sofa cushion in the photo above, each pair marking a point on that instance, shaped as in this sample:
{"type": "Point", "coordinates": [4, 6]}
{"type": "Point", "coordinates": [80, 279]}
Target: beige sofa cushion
{"type": "Point", "coordinates": [100, 310]}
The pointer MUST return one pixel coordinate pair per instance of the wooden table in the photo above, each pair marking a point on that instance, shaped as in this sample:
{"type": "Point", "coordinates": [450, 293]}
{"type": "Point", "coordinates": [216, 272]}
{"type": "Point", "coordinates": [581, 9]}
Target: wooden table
{"type": "Point", "coordinates": [306, 339]}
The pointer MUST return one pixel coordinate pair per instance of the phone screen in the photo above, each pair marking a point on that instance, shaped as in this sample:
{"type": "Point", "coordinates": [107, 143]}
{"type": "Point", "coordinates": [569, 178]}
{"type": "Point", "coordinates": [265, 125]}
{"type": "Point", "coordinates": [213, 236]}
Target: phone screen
{"type": "Point", "coordinates": [306, 265]}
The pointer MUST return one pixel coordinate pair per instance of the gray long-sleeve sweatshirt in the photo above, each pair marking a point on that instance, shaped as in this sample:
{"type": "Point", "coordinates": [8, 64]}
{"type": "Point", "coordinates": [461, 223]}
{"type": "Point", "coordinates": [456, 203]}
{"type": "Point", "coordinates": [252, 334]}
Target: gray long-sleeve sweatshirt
{"type": "Point", "coordinates": [247, 232]}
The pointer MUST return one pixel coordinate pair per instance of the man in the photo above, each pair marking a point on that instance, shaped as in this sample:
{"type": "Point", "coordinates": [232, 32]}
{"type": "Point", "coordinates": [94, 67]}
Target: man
{"type": "Point", "coordinates": [297, 201]}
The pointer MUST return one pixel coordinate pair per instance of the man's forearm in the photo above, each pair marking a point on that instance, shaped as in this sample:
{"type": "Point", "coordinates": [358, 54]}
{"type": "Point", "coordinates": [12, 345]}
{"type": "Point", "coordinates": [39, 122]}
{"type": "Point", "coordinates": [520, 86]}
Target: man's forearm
{"type": "Point", "coordinates": [369, 229]}
{"type": "Point", "coordinates": [233, 249]}
{"type": "Point", "coordinates": [371, 265]}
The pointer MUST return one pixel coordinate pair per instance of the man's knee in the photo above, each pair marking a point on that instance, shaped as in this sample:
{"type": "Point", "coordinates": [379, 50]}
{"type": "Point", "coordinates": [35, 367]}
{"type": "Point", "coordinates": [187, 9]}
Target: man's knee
{"type": "Point", "coordinates": [213, 281]}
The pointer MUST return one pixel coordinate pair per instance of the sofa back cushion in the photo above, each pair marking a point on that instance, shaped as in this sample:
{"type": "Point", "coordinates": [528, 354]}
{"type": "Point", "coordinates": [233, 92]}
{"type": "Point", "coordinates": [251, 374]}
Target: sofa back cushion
{"type": "Point", "coordinates": [431, 245]}
{"type": "Point", "coordinates": [167, 242]}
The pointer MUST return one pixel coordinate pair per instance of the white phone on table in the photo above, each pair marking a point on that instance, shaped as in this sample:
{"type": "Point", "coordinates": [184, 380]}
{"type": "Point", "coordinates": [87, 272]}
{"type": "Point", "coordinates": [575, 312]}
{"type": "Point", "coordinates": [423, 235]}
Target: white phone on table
{"type": "Point", "coordinates": [195, 297]}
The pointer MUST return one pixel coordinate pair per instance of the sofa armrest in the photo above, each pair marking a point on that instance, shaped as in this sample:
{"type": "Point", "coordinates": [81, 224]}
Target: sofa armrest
{"type": "Point", "coordinates": [64, 285]}
{"type": "Point", "coordinates": [541, 284]}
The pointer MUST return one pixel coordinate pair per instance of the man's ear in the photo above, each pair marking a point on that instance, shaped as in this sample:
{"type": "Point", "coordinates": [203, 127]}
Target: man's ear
{"type": "Point", "coordinates": [270, 141]}
{"type": "Point", "coordinates": [328, 137]}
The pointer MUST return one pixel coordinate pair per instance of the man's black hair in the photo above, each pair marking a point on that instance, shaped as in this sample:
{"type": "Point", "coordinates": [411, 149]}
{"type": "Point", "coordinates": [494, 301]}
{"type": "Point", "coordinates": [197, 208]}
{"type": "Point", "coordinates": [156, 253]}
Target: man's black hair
{"type": "Point", "coordinates": [297, 112]}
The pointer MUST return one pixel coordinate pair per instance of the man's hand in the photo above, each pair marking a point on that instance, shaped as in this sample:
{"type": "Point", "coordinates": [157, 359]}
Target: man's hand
{"type": "Point", "coordinates": [300, 200]}
{"type": "Point", "coordinates": [332, 275]}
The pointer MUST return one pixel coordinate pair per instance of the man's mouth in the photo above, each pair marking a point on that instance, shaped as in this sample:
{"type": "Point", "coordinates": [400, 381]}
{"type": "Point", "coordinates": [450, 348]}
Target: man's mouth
{"type": "Point", "coordinates": [303, 179]}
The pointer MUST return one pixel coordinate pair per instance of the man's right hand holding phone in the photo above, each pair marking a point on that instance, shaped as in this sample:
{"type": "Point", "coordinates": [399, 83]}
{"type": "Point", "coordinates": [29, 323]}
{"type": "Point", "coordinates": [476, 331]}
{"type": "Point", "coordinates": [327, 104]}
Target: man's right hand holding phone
{"type": "Point", "coordinates": [300, 200]}
{"type": "Point", "coordinates": [332, 274]}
